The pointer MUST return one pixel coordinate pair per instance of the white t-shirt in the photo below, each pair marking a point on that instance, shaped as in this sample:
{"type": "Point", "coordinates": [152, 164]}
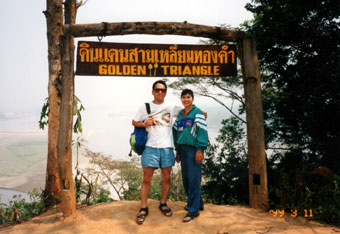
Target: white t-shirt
{"type": "Point", "coordinates": [160, 134]}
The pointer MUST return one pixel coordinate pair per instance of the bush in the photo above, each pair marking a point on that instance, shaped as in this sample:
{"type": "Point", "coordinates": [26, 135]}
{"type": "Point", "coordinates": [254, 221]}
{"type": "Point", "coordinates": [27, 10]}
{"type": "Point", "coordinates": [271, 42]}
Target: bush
{"type": "Point", "coordinates": [103, 196]}
{"type": "Point", "coordinates": [326, 200]}
{"type": "Point", "coordinates": [134, 181]}
{"type": "Point", "coordinates": [225, 166]}
{"type": "Point", "coordinates": [19, 210]}
{"type": "Point", "coordinates": [293, 185]}
{"type": "Point", "coordinates": [125, 177]}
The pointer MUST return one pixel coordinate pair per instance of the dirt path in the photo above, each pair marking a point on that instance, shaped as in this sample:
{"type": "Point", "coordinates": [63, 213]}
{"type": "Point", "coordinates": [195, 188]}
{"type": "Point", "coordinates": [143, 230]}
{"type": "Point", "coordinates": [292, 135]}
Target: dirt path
{"type": "Point", "coordinates": [119, 217]}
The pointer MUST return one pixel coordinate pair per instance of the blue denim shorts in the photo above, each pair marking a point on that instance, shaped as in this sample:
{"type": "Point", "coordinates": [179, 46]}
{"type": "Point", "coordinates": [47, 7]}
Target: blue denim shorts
{"type": "Point", "coordinates": [158, 157]}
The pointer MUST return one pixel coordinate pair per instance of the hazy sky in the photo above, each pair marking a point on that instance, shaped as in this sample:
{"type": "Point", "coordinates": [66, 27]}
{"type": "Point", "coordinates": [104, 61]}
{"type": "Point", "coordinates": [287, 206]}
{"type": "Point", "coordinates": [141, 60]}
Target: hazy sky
{"type": "Point", "coordinates": [110, 102]}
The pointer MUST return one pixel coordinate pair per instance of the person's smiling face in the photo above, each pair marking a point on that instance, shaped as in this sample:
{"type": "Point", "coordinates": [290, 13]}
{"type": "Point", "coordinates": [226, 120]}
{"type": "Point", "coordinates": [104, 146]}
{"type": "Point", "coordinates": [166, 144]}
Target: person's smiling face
{"type": "Point", "coordinates": [187, 100]}
{"type": "Point", "coordinates": [159, 93]}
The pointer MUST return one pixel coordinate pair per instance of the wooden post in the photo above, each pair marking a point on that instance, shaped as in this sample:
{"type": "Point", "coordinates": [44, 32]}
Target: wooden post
{"type": "Point", "coordinates": [54, 20]}
{"type": "Point", "coordinates": [68, 200]}
{"type": "Point", "coordinates": [258, 190]}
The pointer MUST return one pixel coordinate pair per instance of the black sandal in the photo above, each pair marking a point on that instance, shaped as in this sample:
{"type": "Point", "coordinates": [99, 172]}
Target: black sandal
{"type": "Point", "coordinates": [142, 216]}
{"type": "Point", "coordinates": [165, 211]}
{"type": "Point", "coordinates": [191, 216]}
{"type": "Point", "coordinates": [201, 208]}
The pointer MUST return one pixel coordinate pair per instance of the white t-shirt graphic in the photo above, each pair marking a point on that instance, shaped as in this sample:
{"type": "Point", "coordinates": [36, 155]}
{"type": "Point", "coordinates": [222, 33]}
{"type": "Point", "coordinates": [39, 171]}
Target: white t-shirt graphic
{"type": "Point", "coordinates": [160, 134]}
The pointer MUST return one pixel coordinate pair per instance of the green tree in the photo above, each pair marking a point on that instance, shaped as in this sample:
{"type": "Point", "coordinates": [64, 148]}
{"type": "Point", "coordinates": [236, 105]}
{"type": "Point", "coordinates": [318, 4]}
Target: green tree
{"type": "Point", "coordinates": [225, 168]}
{"type": "Point", "coordinates": [298, 47]}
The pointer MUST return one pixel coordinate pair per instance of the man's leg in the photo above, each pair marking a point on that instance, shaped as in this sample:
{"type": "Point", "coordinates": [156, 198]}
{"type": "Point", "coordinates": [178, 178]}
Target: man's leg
{"type": "Point", "coordinates": [165, 183]}
{"type": "Point", "coordinates": [165, 188]}
{"type": "Point", "coordinates": [145, 189]}
{"type": "Point", "coordinates": [167, 161]}
{"type": "Point", "coordinates": [149, 162]}
{"type": "Point", "coordinates": [146, 184]}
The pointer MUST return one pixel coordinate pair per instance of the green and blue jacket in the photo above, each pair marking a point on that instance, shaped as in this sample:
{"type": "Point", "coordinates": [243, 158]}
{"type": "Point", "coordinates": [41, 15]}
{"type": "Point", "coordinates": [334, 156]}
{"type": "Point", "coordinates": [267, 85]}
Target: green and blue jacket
{"type": "Point", "coordinates": [191, 130]}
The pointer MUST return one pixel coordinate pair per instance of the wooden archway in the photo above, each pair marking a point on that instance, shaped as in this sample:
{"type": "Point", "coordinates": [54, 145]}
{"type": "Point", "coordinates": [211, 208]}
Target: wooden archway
{"type": "Point", "coordinates": [258, 192]}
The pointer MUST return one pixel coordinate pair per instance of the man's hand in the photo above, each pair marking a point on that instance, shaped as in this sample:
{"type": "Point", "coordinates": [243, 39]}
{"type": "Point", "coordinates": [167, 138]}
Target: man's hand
{"type": "Point", "coordinates": [199, 157]}
{"type": "Point", "coordinates": [178, 158]}
{"type": "Point", "coordinates": [149, 122]}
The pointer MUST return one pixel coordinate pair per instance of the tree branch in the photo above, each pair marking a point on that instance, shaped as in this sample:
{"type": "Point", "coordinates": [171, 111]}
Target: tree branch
{"type": "Point", "coordinates": [108, 178]}
{"type": "Point", "coordinates": [220, 102]}
{"type": "Point", "coordinates": [277, 148]}
{"type": "Point", "coordinates": [232, 93]}
{"type": "Point", "coordinates": [80, 3]}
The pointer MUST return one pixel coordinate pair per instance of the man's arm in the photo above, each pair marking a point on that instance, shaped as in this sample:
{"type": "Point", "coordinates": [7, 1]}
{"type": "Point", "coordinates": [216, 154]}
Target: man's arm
{"type": "Point", "coordinates": [147, 123]}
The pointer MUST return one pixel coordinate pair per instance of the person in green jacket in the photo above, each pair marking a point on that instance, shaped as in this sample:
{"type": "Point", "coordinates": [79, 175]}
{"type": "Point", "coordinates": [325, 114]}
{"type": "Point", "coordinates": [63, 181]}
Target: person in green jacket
{"type": "Point", "coordinates": [191, 139]}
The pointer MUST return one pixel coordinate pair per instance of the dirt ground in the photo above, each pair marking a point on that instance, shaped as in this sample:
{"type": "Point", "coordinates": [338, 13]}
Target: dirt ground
{"type": "Point", "coordinates": [119, 217]}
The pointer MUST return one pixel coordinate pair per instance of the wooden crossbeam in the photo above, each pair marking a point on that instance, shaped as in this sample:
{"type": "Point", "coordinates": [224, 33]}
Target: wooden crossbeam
{"type": "Point", "coordinates": [153, 28]}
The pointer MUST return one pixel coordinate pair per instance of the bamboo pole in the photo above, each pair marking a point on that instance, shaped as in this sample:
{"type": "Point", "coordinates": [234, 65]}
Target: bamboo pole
{"type": "Point", "coordinates": [258, 191]}
{"type": "Point", "coordinates": [153, 28]}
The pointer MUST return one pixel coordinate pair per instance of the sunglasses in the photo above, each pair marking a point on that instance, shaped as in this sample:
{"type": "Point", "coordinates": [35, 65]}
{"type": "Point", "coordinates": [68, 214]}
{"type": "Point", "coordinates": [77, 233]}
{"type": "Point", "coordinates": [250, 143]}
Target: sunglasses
{"type": "Point", "coordinates": [159, 90]}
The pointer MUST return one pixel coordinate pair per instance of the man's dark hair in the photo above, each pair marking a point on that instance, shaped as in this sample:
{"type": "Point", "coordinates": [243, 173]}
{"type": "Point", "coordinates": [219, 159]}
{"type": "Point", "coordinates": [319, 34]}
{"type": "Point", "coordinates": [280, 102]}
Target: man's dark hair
{"type": "Point", "coordinates": [187, 91]}
{"type": "Point", "coordinates": [159, 82]}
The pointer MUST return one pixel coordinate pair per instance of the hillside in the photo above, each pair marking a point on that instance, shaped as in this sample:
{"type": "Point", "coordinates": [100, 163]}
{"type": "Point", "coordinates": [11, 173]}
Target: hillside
{"type": "Point", "coordinates": [119, 217]}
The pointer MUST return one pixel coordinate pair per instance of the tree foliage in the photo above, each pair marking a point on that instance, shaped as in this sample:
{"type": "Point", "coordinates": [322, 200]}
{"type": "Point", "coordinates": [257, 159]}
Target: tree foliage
{"type": "Point", "coordinates": [299, 50]}
{"type": "Point", "coordinates": [298, 47]}
{"type": "Point", "coordinates": [225, 168]}
{"type": "Point", "coordinates": [77, 108]}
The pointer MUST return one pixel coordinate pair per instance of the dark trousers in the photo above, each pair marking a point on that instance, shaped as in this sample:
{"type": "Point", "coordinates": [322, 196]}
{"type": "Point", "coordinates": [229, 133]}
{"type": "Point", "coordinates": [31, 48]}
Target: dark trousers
{"type": "Point", "coordinates": [191, 176]}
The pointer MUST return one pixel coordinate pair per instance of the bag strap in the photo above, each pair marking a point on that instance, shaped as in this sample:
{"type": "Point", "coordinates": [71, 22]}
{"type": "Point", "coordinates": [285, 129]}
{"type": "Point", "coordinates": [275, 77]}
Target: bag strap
{"type": "Point", "coordinates": [147, 105]}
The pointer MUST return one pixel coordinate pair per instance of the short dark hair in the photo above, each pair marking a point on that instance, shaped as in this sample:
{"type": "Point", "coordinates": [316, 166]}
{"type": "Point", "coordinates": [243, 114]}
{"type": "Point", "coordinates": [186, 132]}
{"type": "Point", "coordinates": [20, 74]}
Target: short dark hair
{"type": "Point", "coordinates": [187, 91]}
{"type": "Point", "coordinates": [159, 82]}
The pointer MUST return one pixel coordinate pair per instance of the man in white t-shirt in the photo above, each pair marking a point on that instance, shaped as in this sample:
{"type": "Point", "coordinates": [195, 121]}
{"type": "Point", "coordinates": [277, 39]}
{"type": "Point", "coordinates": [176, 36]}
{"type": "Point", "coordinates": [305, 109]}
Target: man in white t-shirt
{"type": "Point", "coordinates": [158, 152]}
